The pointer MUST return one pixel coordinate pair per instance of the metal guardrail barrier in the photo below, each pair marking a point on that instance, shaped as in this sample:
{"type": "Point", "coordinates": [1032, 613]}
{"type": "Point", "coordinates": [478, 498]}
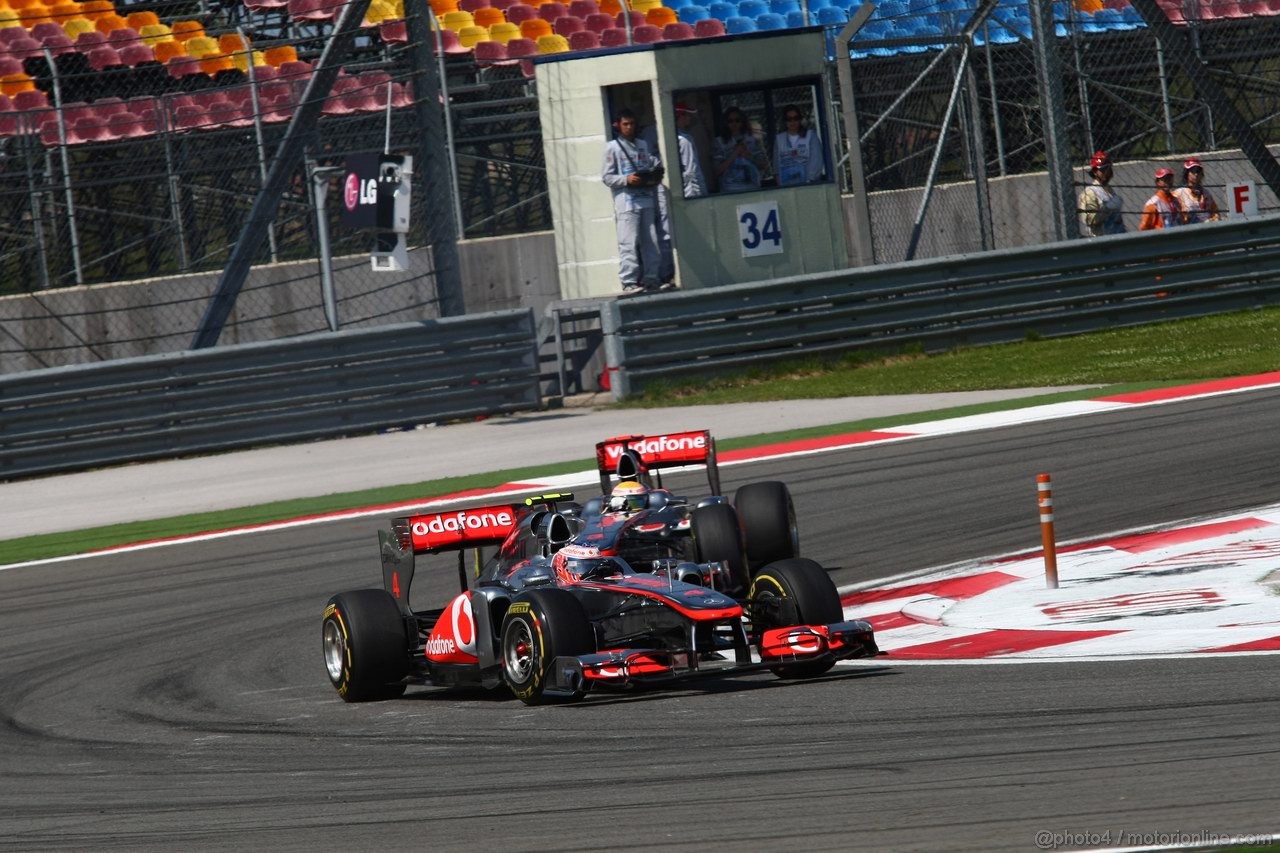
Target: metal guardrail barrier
{"type": "Point", "coordinates": [995, 297]}
{"type": "Point", "coordinates": [316, 386]}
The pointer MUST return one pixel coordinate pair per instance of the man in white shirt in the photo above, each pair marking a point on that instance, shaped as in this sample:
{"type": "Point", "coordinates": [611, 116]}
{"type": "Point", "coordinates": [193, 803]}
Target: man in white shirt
{"type": "Point", "coordinates": [632, 172]}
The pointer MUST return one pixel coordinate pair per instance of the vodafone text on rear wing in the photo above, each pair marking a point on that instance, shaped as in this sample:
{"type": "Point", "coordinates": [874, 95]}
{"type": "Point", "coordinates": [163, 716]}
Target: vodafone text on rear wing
{"type": "Point", "coordinates": [432, 533]}
{"type": "Point", "coordinates": [638, 456]}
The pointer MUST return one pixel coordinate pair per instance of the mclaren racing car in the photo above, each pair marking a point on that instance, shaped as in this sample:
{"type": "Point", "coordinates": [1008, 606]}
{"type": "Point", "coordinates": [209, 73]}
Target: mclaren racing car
{"type": "Point", "coordinates": [756, 528]}
{"type": "Point", "coordinates": [552, 617]}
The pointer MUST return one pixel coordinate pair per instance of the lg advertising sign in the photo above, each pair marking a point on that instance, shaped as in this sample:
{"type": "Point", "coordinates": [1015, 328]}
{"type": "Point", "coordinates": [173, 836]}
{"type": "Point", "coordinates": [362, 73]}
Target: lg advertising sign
{"type": "Point", "coordinates": [375, 192]}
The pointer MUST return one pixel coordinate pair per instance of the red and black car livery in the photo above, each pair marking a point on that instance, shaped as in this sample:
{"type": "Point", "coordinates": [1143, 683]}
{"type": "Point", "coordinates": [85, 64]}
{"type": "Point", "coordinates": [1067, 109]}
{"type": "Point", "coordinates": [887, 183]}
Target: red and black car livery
{"type": "Point", "coordinates": [552, 615]}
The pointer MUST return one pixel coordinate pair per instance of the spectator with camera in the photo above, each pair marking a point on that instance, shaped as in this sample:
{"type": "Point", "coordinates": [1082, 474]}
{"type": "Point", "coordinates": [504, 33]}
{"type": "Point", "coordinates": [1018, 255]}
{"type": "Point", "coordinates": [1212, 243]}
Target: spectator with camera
{"type": "Point", "coordinates": [632, 172]}
{"type": "Point", "coordinates": [739, 161]}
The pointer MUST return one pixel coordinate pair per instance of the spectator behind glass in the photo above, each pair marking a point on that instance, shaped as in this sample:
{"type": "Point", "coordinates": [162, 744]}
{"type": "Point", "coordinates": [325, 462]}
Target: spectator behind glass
{"type": "Point", "coordinates": [797, 153]}
{"type": "Point", "coordinates": [738, 160]}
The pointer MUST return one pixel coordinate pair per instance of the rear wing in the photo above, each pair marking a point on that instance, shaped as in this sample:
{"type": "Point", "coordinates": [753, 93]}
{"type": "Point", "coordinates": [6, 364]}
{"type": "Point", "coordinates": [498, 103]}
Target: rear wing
{"type": "Point", "coordinates": [636, 457]}
{"type": "Point", "coordinates": [433, 533]}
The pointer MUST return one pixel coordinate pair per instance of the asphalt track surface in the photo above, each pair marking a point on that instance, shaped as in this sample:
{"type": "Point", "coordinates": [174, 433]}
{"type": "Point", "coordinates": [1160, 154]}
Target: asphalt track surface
{"type": "Point", "coordinates": [175, 699]}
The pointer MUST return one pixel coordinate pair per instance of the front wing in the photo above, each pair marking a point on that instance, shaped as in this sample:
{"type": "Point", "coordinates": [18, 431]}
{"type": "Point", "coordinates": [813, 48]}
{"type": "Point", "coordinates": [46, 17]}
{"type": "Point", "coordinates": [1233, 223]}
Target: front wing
{"type": "Point", "coordinates": [778, 647]}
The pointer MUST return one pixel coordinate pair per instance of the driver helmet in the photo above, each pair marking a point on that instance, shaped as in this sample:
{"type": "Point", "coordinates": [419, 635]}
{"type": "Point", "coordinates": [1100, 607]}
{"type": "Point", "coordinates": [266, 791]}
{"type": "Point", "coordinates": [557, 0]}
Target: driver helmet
{"type": "Point", "coordinates": [628, 496]}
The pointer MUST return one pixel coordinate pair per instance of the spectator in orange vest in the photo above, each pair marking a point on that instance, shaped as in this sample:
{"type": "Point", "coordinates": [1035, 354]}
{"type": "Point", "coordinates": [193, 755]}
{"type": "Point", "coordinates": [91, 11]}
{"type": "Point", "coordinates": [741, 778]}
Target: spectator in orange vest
{"type": "Point", "coordinates": [1162, 210]}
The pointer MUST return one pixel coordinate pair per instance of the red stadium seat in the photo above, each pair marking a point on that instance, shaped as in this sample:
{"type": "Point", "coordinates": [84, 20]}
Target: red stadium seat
{"type": "Point", "coordinates": [584, 40]}
{"type": "Point", "coordinates": [646, 34]}
{"type": "Point", "coordinates": [677, 31]}
{"type": "Point", "coordinates": [599, 22]}
{"type": "Point", "coordinates": [567, 25]}
{"type": "Point", "coordinates": [708, 27]}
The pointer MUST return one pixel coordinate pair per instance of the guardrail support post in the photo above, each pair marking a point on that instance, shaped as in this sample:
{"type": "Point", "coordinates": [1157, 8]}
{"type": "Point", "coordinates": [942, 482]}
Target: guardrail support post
{"type": "Point", "coordinates": [1045, 494]}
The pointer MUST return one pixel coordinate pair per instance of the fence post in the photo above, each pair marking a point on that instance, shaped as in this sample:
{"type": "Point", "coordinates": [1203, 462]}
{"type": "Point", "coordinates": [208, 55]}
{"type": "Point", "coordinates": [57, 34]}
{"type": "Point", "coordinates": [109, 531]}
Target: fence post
{"type": "Point", "coordinates": [1045, 494]}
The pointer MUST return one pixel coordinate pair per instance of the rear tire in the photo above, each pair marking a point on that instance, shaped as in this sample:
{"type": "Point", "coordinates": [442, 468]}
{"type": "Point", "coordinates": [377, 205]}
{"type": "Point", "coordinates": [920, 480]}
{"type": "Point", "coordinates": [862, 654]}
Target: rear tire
{"type": "Point", "coordinates": [365, 647]}
{"type": "Point", "coordinates": [717, 536]}
{"type": "Point", "coordinates": [768, 522]}
{"type": "Point", "coordinates": [795, 592]}
{"type": "Point", "coordinates": [541, 625]}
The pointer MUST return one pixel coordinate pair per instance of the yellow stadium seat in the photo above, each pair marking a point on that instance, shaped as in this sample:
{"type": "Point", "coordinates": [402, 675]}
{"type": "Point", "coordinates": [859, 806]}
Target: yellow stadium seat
{"type": "Point", "coordinates": [553, 44]}
{"type": "Point", "coordinates": [202, 46]}
{"type": "Point", "coordinates": [240, 59]}
{"type": "Point", "coordinates": [469, 36]}
{"type": "Point", "coordinates": [457, 20]}
{"type": "Point", "coordinates": [153, 34]}
{"type": "Point", "coordinates": [9, 18]}
{"type": "Point", "coordinates": [75, 26]}
{"type": "Point", "coordinates": [504, 32]}
{"type": "Point", "coordinates": [379, 11]}
{"type": "Point", "coordinates": [643, 6]}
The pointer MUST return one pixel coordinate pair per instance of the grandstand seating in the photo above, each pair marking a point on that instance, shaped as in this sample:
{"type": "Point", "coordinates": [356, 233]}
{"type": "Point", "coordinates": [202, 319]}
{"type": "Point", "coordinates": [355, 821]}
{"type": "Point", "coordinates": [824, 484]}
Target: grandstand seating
{"type": "Point", "coordinates": [114, 47]}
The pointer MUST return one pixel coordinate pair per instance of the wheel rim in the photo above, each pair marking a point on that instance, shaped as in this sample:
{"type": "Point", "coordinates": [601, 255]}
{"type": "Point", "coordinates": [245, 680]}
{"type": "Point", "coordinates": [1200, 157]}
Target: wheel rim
{"type": "Point", "coordinates": [517, 651]}
{"type": "Point", "coordinates": [335, 650]}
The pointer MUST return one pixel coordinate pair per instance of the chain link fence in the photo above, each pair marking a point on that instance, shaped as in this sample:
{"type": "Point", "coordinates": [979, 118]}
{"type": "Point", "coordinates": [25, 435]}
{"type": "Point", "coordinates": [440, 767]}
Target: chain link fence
{"type": "Point", "coordinates": [135, 152]}
{"type": "Point", "coordinates": [954, 120]}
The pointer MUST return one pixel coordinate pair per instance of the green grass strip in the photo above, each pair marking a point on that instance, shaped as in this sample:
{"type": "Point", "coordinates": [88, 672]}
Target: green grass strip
{"type": "Point", "coordinates": [50, 545]}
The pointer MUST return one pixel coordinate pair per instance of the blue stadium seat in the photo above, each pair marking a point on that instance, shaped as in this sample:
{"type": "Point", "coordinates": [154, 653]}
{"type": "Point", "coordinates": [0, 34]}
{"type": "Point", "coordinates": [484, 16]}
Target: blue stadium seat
{"type": "Point", "coordinates": [739, 24]}
{"type": "Point", "coordinates": [795, 20]}
{"type": "Point", "coordinates": [752, 8]}
{"type": "Point", "coordinates": [677, 5]}
{"type": "Point", "coordinates": [722, 10]}
{"type": "Point", "coordinates": [831, 16]}
{"type": "Point", "coordinates": [771, 21]}
{"type": "Point", "coordinates": [784, 7]}
{"type": "Point", "coordinates": [692, 13]}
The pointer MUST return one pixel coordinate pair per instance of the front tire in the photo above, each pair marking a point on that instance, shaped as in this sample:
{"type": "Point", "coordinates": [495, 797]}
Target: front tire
{"type": "Point", "coordinates": [365, 647]}
{"type": "Point", "coordinates": [795, 592]}
{"type": "Point", "coordinates": [541, 625]}
{"type": "Point", "coordinates": [717, 536]}
{"type": "Point", "coordinates": [769, 522]}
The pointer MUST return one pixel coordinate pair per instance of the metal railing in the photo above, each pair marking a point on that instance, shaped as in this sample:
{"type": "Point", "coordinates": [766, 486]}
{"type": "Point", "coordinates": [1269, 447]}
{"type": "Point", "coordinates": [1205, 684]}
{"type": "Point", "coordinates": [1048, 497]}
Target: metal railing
{"type": "Point", "coordinates": [315, 386]}
{"type": "Point", "coordinates": [1056, 289]}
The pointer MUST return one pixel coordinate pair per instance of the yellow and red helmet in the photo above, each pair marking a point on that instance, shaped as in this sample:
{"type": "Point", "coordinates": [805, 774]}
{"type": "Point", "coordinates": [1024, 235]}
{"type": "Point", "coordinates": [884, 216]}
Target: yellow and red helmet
{"type": "Point", "coordinates": [629, 496]}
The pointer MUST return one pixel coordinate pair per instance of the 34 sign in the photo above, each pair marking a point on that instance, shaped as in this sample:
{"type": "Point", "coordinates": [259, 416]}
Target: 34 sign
{"type": "Point", "coordinates": [760, 229]}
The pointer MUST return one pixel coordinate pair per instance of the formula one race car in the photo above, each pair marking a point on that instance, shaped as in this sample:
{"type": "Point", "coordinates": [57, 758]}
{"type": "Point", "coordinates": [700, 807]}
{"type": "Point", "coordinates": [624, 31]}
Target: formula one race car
{"type": "Point", "coordinates": [757, 528]}
{"type": "Point", "coordinates": [551, 617]}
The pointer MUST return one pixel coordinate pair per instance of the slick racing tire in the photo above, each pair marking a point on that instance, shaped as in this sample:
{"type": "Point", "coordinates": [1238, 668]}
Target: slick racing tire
{"type": "Point", "coordinates": [768, 522]}
{"type": "Point", "coordinates": [541, 625]}
{"type": "Point", "coordinates": [795, 592]}
{"type": "Point", "coordinates": [366, 650]}
{"type": "Point", "coordinates": [717, 536]}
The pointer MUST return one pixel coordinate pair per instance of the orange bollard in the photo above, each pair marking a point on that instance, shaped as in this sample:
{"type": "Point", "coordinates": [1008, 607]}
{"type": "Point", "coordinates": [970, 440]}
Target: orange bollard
{"type": "Point", "coordinates": [1045, 494]}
